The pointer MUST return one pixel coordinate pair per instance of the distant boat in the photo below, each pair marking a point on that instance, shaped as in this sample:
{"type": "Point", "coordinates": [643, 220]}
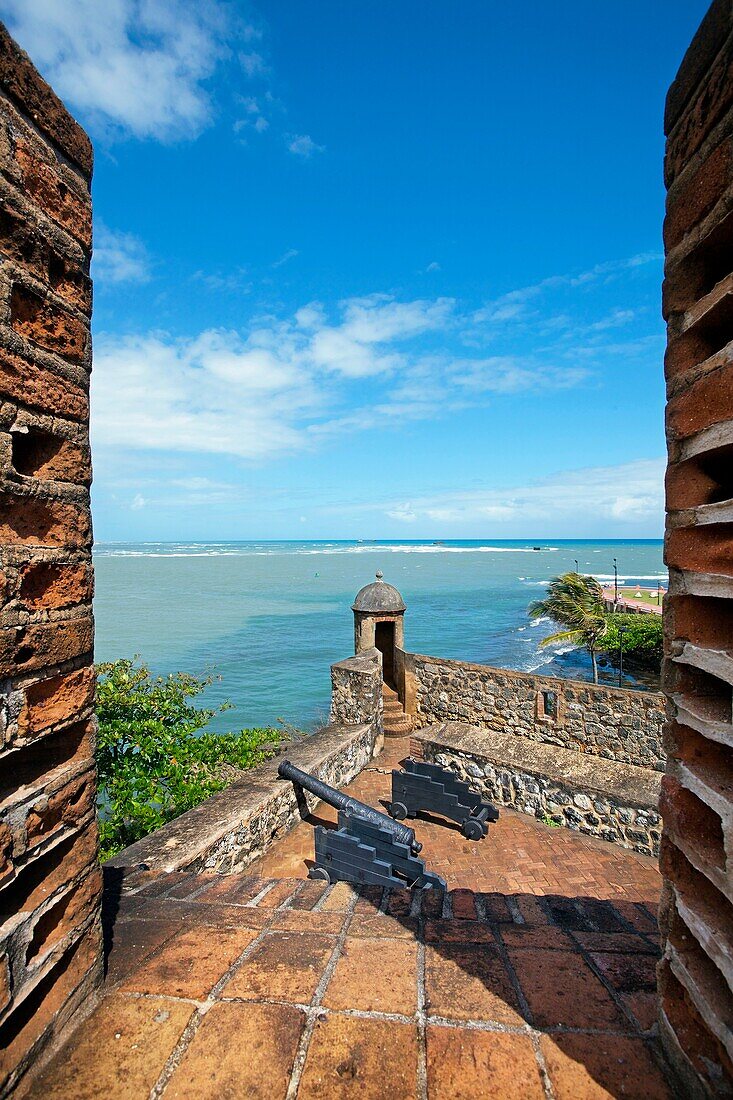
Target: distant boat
{"type": "Point", "coordinates": [438, 544]}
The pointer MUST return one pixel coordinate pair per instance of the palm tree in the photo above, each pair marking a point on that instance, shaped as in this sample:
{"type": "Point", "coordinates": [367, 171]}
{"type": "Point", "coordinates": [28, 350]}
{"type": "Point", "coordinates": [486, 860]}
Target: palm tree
{"type": "Point", "coordinates": [576, 603]}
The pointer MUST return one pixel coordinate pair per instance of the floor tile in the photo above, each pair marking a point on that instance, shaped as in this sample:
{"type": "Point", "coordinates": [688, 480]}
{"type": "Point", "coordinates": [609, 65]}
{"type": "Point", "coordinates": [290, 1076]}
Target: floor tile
{"type": "Point", "coordinates": [239, 1051]}
{"type": "Point", "coordinates": [364, 1059]}
{"type": "Point", "coordinates": [285, 966]}
{"type": "Point", "coordinates": [464, 1064]}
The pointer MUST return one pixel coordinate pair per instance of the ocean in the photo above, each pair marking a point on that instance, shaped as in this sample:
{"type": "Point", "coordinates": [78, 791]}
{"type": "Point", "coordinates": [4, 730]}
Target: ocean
{"type": "Point", "coordinates": [269, 618]}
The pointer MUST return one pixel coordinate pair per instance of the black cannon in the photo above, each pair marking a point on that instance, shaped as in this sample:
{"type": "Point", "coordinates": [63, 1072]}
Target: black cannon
{"type": "Point", "coordinates": [349, 806]}
{"type": "Point", "coordinates": [368, 847]}
{"type": "Point", "coordinates": [423, 786]}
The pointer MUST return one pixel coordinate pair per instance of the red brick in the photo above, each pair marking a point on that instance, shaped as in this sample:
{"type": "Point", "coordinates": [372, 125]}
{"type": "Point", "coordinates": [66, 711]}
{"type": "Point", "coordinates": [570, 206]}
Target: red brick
{"type": "Point", "coordinates": [470, 982]}
{"type": "Point", "coordinates": [41, 454]}
{"type": "Point", "coordinates": [706, 108]}
{"type": "Point", "coordinates": [37, 99]}
{"type": "Point", "coordinates": [688, 486]}
{"type": "Point", "coordinates": [70, 282]}
{"type": "Point", "coordinates": [702, 403]}
{"type": "Point", "coordinates": [706, 549]}
{"type": "Point", "coordinates": [34, 521]}
{"type": "Point", "coordinates": [119, 1051]}
{"type": "Point", "coordinates": [21, 241]}
{"type": "Point", "coordinates": [214, 1067]}
{"type": "Point", "coordinates": [698, 59]}
{"type": "Point", "coordinates": [596, 1067]}
{"type": "Point", "coordinates": [40, 644]}
{"type": "Point", "coordinates": [64, 915]}
{"type": "Point", "coordinates": [47, 585]}
{"type": "Point", "coordinates": [68, 806]}
{"type": "Point", "coordinates": [690, 203]}
{"type": "Point", "coordinates": [4, 983]}
{"type": "Point", "coordinates": [28, 382]}
{"type": "Point", "coordinates": [56, 700]}
{"type": "Point", "coordinates": [45, 324]}
{"type": "Point", "coordinates": [285, 966]}
{"type": "Point", "coordinates": [464, 905]}
{"type": "Point", "coordinates": [56, 990]}
{"type": "Point", "coordinates": [190, 964]}
{"type": "Point", "coordinates": [392, 987]}
{"type": "Point", "coordinates": [55, 196]}
{"type": "Point", "coordinates": [363, 1059]}
{"type": "Point", "coordinates": [562, 989]}
{"type": "Point", "coordinates": [6, 851]}
{"type": "Point", "coordinates": [464, 1063]}
{"type": "Point", "coordinates": [72, 859]}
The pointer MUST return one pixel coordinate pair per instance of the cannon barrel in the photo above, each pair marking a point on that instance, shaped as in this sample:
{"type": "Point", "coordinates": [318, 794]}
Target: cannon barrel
{"type": "Point", "coordinates": [348, 805]}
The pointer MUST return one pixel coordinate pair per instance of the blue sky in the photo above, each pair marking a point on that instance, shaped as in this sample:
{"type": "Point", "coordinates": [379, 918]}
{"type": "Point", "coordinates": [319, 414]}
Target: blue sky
{"type": "Point", "coordinates": [372, 270]}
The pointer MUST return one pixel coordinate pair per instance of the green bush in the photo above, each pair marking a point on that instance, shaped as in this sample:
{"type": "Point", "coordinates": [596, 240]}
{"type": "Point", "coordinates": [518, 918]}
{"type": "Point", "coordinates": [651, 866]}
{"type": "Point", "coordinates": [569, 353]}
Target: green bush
{"type": "Point", "coordinates": [642, 639]}
{"type": "Point", "coordinates": [153, 760]}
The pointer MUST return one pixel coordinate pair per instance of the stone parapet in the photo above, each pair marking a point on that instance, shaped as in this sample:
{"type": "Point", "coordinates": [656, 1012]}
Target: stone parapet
{"type": "Point", "coordinates": [237, 825]}
{"type": "Point", "coordinates": [610, 800]}
{"type": "Point", "coordinates": [50, 881]}
{"type": "Point", "coordinates": [356, 692]}
{"type": "Point", "coordinates": [611, 723]}
{"type": "Point", "coordinates": [696, 914]}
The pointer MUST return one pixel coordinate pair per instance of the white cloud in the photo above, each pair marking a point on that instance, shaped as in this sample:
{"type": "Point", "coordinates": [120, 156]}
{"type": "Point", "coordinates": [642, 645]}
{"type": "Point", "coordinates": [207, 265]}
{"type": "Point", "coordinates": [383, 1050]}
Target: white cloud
{"type": "Point", "coordinates": [254, 116]}
{"type": "Point", "coordinates": [303, 145]}
{"type": "Point", "coordinates": [515, 305]}
{"type": "Point", "coordinates": [214, 394]}
{"type": "Point", "coordinates": [232, 282]}
{"type": "Point", "coordinates": [136, 66]}
{"type": "Point", "coordinates": [625, 494]}
{"type": "Point", "coordinates": [253, 64]}
{"type": "Point", "coordinates": [138, 502]}
{"type": "Point", "coordinates": [289, 383]}
{"type": "Point", "coordinates": [289, 255]}
{"type": "Point", "coordinates": [119, 257]}
{"type": "Point", "coordinates": [434, 266]}
{"type": "Point", "coordinates": [403, 512]}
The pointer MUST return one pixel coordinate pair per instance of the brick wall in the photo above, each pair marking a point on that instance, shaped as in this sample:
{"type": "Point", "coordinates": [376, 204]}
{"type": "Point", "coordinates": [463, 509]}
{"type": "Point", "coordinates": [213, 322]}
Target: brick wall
{"type": "Point", "coordinates": [696, 973]}
{"type": "Point", "coordinates": [49, 877]}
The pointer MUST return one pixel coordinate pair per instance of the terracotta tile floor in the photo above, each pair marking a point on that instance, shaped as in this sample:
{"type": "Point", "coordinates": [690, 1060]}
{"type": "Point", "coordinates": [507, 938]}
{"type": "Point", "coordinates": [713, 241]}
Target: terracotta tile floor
{"type": "Point", "coordinates": [532, 977]}
{"type": "Point", "coordinates": [520, 855]}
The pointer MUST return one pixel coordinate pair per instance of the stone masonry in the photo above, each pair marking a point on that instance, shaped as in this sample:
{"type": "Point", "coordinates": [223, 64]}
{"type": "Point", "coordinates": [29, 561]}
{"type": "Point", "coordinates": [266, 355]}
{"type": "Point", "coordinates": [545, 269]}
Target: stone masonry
{"type": "Point", "coordinates": [50, 881]}
{"type": "Point", "coordinates": [696, 914]}
{"type": "Point", "coordinates": [616, 802]}
{"type": "Point", "coordinates": [616, 724]}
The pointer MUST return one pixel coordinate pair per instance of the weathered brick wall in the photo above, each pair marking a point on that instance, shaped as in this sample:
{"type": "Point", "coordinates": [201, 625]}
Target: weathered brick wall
{"type": "Point", "coordinates": [49, 877]}
{"type": "Point", "coordinates": [620, 725]}
{"type": "Point", "coordinates": [696, 973]}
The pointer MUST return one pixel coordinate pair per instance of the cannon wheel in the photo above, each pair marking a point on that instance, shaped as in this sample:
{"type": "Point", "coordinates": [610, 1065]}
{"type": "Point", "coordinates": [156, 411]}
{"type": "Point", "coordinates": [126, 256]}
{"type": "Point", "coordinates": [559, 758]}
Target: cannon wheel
{"type": "Point", "coordinates": [398, 811]}
{"type": "Point", "coordinates": [319, 873]}
{"type": "Point", "coordinates": [472, 829]}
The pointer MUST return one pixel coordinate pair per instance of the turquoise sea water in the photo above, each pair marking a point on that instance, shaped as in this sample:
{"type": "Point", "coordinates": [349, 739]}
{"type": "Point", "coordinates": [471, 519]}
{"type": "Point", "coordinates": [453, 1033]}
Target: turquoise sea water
{"type": "Point", "coordinates": [270, 618]}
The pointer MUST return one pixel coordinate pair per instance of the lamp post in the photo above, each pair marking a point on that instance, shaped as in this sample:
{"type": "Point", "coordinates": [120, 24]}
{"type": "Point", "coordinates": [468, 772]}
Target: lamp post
{"type": "Point", "coordinates": [621, 631]}
{"type": "Point", "coordinates": [615, 585]}
{"type": "Point", "coordinates": [576, 566]}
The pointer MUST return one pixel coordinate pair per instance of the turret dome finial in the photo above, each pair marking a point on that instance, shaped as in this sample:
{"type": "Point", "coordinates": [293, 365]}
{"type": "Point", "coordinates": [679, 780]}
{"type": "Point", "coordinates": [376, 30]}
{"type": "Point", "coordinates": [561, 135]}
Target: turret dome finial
{"type": "Point", "coordinates": [380, 574]}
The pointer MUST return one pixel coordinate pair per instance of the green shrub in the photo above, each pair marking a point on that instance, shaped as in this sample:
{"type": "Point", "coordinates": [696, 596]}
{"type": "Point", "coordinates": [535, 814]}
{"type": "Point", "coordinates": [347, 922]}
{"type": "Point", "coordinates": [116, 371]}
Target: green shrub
{"type": "Point", "coordinates": [153, 760]}
{"type": "Point", "coordinates": [642, 639]}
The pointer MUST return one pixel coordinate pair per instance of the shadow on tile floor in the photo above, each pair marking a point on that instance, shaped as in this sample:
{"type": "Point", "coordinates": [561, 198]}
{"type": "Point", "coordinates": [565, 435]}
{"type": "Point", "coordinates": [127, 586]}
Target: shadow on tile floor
{"type": "Point", "coordinates": [239, 986]}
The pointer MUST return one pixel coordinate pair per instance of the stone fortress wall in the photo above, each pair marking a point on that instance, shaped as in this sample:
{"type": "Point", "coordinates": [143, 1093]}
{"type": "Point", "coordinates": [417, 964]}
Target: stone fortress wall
{"type": "Point", "coordinates": [575, 754]}
{"type": "Point", "coordinates": [615, 724]}
{"type": "Point", "coordinates": [50, 880]}
{"type": "Point", "coordinates": [696, 914]}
